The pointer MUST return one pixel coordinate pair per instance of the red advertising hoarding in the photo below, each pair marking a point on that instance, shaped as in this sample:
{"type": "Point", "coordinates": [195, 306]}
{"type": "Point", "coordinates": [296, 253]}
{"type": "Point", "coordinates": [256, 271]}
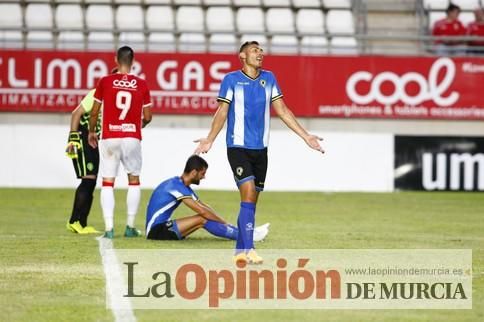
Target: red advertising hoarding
{"type": "Point", "coordinates": [342, 87]}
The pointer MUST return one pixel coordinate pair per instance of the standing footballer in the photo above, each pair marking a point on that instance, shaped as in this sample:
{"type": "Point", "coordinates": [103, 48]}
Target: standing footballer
{"type": "Point", "coordinates": [126, 103]}
{"type": "Point", "coordinates": [245, 99]}
{"type": "Point", "coordinates": [86, 165]}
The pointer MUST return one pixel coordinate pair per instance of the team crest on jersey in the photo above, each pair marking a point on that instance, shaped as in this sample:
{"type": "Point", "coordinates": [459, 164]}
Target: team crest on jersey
{"type": "Point", "coordinates": [90, 166]}
{"type": "Point", "coordinates": [239, 171]}
{"type": "Point", "coordinates": [263, 82]}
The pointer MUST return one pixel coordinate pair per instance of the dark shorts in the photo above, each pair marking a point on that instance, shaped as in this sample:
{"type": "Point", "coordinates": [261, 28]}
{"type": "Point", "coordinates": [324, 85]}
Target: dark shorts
{"type": "Point", "coordinates": [87, 161]}
{"type": "Point", "coordinates": [165, 231]}
{"type": "Point", "coordinates": [248, 165]}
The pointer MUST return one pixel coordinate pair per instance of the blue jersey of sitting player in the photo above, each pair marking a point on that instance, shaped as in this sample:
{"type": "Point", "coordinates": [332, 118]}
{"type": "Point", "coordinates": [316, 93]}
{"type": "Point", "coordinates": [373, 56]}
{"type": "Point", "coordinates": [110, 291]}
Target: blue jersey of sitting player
{"type": "Point", "coordinates": [165, 199]}
{"type": "Point", "coordinates": [249, 100]}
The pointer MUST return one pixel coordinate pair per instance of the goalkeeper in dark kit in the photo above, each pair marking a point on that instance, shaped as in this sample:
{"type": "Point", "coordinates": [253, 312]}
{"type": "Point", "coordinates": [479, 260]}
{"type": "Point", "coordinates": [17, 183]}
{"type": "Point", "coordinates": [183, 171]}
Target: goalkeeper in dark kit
{"type": "Point", "coordinates": [86, 165]}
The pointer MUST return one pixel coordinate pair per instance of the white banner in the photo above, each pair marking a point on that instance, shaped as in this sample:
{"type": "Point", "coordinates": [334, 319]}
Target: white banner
{"type": "Point", "coordinates": [33, 156]}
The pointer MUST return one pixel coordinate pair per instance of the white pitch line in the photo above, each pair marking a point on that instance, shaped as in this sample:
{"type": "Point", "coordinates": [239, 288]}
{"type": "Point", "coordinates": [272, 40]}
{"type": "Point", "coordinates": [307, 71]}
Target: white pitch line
{"type": "Point", "coordinates": [120, 305]}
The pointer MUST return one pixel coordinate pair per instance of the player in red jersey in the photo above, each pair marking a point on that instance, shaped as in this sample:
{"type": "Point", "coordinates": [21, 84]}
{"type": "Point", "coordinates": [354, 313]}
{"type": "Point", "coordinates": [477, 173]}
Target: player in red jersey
{"type": "Point", "coordinates": [476, 28]}
{"type": "Point", "coordinates": [126, 109]}
{"type": "Point", "coordinates": [449, 26]}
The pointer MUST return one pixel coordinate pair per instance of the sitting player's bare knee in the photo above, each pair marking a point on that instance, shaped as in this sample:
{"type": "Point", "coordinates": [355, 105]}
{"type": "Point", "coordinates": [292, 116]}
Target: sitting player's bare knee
{"type": "Point", "coordinates": [202, 220]}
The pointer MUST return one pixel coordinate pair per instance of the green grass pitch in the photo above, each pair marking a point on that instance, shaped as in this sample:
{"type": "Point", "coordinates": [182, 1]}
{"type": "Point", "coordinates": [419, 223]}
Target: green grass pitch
{"type": "Point", "coordinates": [49, 274]}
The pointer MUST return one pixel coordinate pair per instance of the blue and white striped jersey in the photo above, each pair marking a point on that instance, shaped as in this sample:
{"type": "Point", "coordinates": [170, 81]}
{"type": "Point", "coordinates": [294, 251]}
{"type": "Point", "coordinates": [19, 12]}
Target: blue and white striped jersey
{"type": "Point", "coordinates": [249, 100]}
{"type": "Point", "coordinates": [165, 199]}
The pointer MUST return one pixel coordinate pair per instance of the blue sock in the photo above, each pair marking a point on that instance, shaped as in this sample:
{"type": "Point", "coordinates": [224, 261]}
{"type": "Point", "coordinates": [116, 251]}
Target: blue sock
{"type": "Point", "coordinates": [220, 230]}
{"type": "Point", "coordinates": [245, 223]}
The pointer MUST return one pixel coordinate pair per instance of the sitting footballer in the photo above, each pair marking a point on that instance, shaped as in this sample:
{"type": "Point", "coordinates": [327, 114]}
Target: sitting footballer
{"type": "Point", "coordinates": [171, 193]}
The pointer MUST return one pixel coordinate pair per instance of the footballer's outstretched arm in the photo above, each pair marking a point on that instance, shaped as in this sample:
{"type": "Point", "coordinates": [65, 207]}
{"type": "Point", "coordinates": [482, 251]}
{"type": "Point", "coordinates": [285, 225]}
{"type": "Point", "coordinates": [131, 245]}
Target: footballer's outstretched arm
{"type": "Point", "coordinates": [203, 210]}
{"type": "Point", "coordinates": [286, 115]}
{"type": "Point", "coordinates": [204, 144]}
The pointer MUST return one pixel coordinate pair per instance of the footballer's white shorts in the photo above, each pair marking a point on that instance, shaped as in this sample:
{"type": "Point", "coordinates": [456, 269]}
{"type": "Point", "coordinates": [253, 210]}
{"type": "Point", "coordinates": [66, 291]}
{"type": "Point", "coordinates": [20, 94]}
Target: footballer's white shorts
{"type": "Point", "coordinates": [124, 150]}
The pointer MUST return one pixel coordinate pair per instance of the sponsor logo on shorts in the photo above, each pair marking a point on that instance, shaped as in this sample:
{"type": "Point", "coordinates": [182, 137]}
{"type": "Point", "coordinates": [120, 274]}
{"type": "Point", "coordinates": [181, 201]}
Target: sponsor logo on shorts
{"type": "Point", "coordinates": [125, 127]}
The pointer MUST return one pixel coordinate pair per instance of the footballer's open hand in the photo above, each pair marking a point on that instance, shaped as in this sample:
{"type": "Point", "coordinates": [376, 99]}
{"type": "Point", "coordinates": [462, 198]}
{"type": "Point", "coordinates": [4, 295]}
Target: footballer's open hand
{"type": "Point", "coordinates": [204, 145]}
{"type": "Point", "coordinates": [313, 142]}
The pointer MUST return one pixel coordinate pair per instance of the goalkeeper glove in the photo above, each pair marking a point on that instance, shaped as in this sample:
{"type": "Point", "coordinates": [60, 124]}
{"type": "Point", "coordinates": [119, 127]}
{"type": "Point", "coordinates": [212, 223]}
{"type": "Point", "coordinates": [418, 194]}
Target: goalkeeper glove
{"type": "Point", "coordinates": [73, 144]}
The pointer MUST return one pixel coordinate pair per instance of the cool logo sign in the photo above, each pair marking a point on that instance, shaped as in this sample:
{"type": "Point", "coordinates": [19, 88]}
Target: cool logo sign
{"type": "Point", "coordinates": [429, 89]}
{"type": "Point", "coordinates": [125, 83]}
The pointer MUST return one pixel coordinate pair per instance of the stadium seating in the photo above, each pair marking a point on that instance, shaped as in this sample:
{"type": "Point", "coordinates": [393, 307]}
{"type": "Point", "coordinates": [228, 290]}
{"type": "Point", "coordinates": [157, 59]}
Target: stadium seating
{"type": "Point", "coordinates": [310, 21]}
{"type": "Point", "coordinates": [240, 3]}
{"type": "Point", "coordinates": [161, 41]}
{"type": "Point", "coordinates": [217, 2]}
{"type": "Point", "coordinates": [466, 17]}
{"type": "Point", "coordinates": [436, 4]}
{"type": "Point", "coordinates": [192, 42]}
{"type": "Point", "coordinates": [314, 45]}
{"type": "Point", "coordinates": [306, 3]}
{"type": "Point", "coordinates": [223, 43]}
{"type": "Point", "coordinates": [282, 26]}
{"type": "Point", "coordinates": [69, 22]}
{"type": "Point", "coordinates": [343, 46]}
{"type": "Point", "coordinates": [129, 21]}
{"type": "Point", "coordinates": [221, 25]}
{"type": "Point", "coordinates": [38, 16]}
{"type": "Point", "coordinates": [467, 4]}
{"type": "Point", "coordinates": [220, 19]}
{"type": "Point", "coordinates": [276, 3]}
{"type": "Point", "coordinates": [70, 40]}
{"type": "Point", "coordinates": [100, 41]}
{"type": "Point", "coordinates": [190, 21]}
{"type": "Point", "coordinates": [190, 18]}
{"type": "Point", "coordinates": [261, 39]}
{"type": "Point", "coordinates": [337, 4]}
{"type": "Point", "coordinates": [99, 17]}
{"type": "Point", "coordinates": [38, 19]}
{"type": "Point", "coordinates": [69, 17]}
{"type": "Point", "coordinates": [340, 22]}
{"type": "Point", "coordinates": [256, 22]}
{"type": "Point", "coordinates": [435, 16]}
{"type": "Point", "coordinates": [150, 2]}
{"type": "Point", "coordinates": [129, 18]}
{"type": "Point", "coordinates": [11, 17]}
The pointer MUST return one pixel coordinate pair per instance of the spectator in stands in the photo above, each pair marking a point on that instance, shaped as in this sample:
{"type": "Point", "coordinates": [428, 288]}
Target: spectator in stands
{"type": "Point", "coordinates": [449, 26]}
{"type": "Point", "coordinates": [476, 28]}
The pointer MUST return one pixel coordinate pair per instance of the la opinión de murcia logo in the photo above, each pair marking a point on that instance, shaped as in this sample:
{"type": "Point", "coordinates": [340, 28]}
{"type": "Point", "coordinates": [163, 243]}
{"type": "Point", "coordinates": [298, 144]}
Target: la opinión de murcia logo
{"type": "Point", "coordinates": [125, 83]}
{"type": "Point", "coordinates": [429, 88]}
